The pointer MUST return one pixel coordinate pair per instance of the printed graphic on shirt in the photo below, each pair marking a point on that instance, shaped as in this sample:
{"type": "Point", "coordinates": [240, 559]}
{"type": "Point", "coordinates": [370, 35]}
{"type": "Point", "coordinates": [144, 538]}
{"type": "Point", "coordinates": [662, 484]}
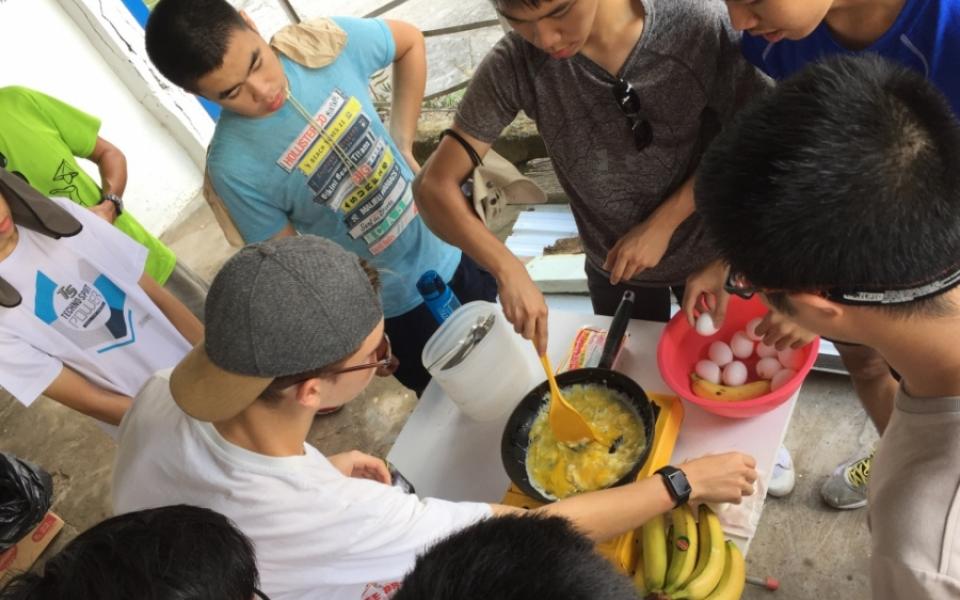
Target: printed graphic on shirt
{"type": "Point", "coordinates": [91, 312]}
{"type": "Point", "coordinates": [353, 171]}
{"type": "Point", "coordinates": [380, 591]}
{"type": "Point", "coordinates": [65, 175]}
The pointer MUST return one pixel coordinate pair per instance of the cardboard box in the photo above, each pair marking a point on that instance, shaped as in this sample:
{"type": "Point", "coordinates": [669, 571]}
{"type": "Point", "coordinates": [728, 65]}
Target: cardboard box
{"type": "Point", "coordinates": [21, 556]}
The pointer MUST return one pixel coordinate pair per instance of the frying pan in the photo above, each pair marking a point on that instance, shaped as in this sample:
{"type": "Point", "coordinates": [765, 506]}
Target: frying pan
{"type": "Point", "coordinates": [516, 434]}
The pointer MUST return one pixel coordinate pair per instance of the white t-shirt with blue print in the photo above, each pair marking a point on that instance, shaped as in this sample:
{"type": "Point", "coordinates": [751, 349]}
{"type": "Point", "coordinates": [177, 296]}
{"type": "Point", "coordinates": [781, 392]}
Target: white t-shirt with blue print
{"type": "Point", "coordinates": [349, 184]}
{"type": "Point", "coordinates": [82, 307]}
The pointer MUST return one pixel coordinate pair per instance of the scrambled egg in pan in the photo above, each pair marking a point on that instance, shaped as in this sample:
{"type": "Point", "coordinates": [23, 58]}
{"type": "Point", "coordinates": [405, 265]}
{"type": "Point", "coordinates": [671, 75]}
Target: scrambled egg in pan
{"type": "Point", "coordinates": [558, 470]}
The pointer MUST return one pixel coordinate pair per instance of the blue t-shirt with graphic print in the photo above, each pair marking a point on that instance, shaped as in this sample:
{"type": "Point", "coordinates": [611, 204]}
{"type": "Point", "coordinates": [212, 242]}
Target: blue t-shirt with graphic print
{"type": "Point", "coordinates": [348, 183]}
{"type": "Point", "coordinates": [925, 37]}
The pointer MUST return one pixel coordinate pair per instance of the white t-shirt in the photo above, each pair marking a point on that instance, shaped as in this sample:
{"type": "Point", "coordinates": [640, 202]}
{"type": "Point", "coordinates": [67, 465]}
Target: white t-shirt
{"type": "Point", "coordinates": [317, 533]}
{"type": "Point", "coordinates": [82, 307]}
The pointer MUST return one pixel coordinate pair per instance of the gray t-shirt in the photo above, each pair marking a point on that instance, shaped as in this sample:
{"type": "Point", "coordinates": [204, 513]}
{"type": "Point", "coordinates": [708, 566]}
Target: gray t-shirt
{"type": "Point", "coordinates": [913, 502]}
{"type": "Point", "coordinates": [690, 78]}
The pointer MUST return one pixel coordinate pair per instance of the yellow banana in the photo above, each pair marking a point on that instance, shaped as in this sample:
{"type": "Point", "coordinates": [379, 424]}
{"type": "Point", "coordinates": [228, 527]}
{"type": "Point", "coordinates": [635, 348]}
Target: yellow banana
{"type": "Point", "coordinates": [734, 576]}
{"type": "Point", "coordinates": [654, 554]}
{"type": "Point", "coordinates": [638, 580]}
{"type": "Point", "coordinates": [703, 543]}
{"type": "Point", "coordinates": [699, 587]}
{"type": "Point", "coordinates": [728, 393]}
{"type": "Point", "coordinates": [683, 546]}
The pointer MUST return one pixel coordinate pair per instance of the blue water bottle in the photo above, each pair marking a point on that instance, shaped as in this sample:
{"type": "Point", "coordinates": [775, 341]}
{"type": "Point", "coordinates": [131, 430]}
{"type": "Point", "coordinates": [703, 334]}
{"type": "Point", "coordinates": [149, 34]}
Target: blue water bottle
{"type": "Point", "coordinates": [438, 297]}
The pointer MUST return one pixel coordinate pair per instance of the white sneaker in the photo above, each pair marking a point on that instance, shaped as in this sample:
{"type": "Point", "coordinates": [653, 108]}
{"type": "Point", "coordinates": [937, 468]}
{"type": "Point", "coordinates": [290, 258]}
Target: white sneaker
{"type": "Point", "coordinates": [784, 477]}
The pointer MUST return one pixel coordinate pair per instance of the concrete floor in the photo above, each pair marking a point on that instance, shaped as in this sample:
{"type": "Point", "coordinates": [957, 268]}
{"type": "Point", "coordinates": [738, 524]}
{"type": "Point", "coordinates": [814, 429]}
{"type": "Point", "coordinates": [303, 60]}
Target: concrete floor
{"type": "Point", "coordinates": [814, 551]}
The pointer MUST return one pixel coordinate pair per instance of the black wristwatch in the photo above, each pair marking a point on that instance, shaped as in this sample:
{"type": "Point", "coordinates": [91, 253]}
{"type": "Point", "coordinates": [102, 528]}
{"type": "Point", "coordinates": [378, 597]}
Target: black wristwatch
{"type": "Point", "coordinates": [676, 483]}
{"type": "Point", "coordinates": [115, 199]}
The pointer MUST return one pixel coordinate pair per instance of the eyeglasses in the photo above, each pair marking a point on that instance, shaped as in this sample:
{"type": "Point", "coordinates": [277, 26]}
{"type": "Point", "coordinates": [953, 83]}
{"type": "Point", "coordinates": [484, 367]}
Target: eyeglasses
{"type": "Point", "coordinates": [386, 363]}
{"type": "Point", "coordinates": [738, 285]}
{"type": "Point", "coordinates": [629, 103]}
{"type": "Point", "coordinates": [260, 594]}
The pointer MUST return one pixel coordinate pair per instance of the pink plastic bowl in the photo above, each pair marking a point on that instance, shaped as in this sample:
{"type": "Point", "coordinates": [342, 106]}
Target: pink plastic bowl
{"type": "Point", "coordinates": [681, 347]}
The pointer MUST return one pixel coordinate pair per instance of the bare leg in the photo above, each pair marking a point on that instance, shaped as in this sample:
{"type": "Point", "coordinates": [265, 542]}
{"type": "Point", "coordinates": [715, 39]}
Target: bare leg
{"type": "Point", "coordinates": [872, 380]}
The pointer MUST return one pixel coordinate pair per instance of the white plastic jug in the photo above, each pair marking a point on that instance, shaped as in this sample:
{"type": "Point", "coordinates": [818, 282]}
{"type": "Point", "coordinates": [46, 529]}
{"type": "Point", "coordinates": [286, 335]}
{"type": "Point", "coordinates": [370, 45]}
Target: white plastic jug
{"type": "Point", "coordinates": [494, 374]}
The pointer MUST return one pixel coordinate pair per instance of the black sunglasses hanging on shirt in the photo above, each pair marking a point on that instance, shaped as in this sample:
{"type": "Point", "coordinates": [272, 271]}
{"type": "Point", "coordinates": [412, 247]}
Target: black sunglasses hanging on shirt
{"type": "Point", "coordinates": [629, 103]}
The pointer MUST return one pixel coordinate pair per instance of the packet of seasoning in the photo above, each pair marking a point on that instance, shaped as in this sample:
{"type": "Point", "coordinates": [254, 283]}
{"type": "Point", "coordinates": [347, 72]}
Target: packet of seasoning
{"type": "Point", "coordinates": [586, 349]}
{"type": "Point", "coordinates": [398, 480]}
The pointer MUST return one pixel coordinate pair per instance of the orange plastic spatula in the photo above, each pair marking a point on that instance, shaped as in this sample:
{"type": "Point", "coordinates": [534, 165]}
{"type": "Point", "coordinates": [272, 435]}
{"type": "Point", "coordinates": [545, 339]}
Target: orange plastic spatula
{"type": "Point", "coordinates": [567, 424]}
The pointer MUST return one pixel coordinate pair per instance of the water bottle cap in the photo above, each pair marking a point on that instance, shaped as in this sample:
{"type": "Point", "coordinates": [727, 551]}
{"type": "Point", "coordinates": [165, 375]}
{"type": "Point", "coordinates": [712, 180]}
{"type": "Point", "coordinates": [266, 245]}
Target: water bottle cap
{"type": "Point", "coordinates": [431, 283]}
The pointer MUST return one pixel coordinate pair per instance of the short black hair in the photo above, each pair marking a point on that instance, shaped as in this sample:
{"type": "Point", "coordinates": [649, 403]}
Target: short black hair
{"type": "Point", "coordinates": [515, 557]}
{"type": "Point", "coordinates": [171, 553]}
{"type": "Point", "coordinates": [504, 4]}
{"type": "Point", "coordinates": [187, 39]}
{"type": "Point", "coordinates": [847, 174]}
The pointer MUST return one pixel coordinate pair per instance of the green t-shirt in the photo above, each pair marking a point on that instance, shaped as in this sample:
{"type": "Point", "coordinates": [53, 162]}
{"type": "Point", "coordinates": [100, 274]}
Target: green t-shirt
{"type": "Point", "coordinates": [40, 138]}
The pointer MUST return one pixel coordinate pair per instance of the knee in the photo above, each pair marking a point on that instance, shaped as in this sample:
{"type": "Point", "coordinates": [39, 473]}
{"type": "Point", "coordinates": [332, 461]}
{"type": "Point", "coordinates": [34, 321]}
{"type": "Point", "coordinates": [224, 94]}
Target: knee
{"type": "Point", "coordinates": [863, 363]}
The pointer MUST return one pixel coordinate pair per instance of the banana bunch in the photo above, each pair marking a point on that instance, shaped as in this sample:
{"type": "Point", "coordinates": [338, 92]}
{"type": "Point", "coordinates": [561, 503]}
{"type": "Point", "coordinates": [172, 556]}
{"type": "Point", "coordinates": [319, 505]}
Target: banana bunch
{"type": "Point", "coordinates": [693, 562]}
{"type": "Point", "coordinates": [728, 393]}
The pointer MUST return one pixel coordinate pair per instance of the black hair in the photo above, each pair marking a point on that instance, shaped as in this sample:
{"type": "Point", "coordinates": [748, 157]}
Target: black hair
{"type": "Point", "coordinates": [187, 39]}
{"type": "Point", "coordinates": [845, 175]}
{"type": "Point", "coordinates": [512, 558]}
{"type": "Point", "coordinates": [504, 4]}
{"type": "Point", "coordinates": [171, 553]}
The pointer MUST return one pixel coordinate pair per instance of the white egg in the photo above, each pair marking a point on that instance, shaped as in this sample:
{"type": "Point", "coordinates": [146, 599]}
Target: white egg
{"type": "Point", "coordinates": [751, 329]}
{"type": "Point", "coordinates": [735, 373]}
{"type": "Point", "coordinates": [705, 325]}
{"type": "Point", "coordinates": [790, 358]}
{"type": "Point", "coordinates": [765, 351]}
{"type": "Point", "coordinates": [709, 370]}
{"type": "Point", "coordinates": [768, 367]}
{"type": "Point", "coordinates": [781, 378]}
{"type": "Point", "coordinates": [720, 353]}
{"type": "Point", "coordinates": [741, 345]}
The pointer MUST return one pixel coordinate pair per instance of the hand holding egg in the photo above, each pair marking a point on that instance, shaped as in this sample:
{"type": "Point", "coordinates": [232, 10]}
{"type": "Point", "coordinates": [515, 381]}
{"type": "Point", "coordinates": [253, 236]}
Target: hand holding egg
{"type": "Point", "coordinates": [705, 325]}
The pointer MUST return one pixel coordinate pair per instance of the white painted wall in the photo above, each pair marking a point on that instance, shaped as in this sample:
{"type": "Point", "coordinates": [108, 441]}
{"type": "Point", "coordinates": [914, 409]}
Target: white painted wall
{"type": "Point", "coordinates": [43, 48]}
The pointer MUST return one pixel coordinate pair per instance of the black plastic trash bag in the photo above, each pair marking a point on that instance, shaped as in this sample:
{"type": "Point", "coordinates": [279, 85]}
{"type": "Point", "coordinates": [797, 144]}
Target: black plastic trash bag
{"type": "Point", "coordinates": [26, 492]}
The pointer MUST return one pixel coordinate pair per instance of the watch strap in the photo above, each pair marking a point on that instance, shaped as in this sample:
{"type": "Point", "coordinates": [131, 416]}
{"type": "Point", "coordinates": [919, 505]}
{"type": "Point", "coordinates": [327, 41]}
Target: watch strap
{"type": "Point", "coordinates": [115, 199]}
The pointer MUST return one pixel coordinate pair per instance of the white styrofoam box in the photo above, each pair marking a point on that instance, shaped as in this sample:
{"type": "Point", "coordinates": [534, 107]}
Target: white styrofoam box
{"type": "Point", "coordinates": [559, 273]}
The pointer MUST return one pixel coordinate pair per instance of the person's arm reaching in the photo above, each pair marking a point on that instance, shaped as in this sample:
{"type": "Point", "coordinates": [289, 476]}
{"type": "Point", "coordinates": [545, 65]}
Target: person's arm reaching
{"type": "Point", "coordinates": [605, 514]}
{"type": "Point", "coordinates": [447, 212]}
{"type": "Point", "coordinates": [75, 391]}
{"type": "Point", "coordinates": [409, 81]}
{"type": "Point", "coordinates": [112, 165]}
{"type": "Point", "coordinates": [179, 315]}
{"type": "Point", "coordinates": [704, 292]}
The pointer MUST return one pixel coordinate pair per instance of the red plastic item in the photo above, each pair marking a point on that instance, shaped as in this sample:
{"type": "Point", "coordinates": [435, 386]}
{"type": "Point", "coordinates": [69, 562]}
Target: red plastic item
{"type": "Point", "coordinates": [770, 583]}
{"type": "Point", "coordinates": [680, 348]}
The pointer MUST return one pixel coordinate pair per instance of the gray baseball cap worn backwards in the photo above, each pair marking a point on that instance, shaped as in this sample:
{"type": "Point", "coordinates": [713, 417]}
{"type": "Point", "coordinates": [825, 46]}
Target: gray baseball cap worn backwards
{"type": "Point", "coordinates": [276, 308]}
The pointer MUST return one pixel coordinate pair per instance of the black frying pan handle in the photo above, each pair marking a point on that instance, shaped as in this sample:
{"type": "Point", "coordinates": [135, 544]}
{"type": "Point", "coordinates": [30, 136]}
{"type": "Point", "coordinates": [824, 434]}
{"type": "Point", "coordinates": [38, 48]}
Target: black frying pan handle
{"type": "Point", "coordinates": [618, 327]}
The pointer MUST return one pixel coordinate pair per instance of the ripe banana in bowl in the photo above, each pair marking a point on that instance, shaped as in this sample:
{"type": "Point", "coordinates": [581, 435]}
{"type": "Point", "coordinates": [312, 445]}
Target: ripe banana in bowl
{"type": "Point", "coordinates": [728, 393]}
